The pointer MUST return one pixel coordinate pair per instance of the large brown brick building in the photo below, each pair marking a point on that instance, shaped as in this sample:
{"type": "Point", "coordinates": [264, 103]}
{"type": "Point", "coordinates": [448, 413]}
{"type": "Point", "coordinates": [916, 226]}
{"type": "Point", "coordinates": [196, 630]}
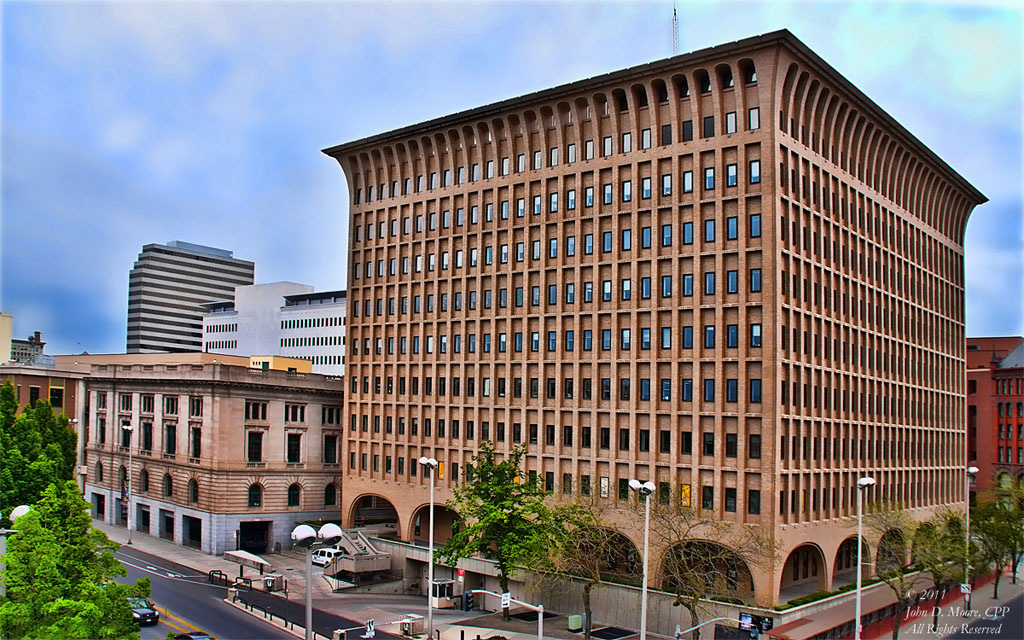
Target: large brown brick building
{"type": "Point", "coordinates": [728, 272]}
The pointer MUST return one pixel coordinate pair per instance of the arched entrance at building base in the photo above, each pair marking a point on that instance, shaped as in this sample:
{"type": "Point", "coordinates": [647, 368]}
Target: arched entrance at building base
{"type": "Point", "coordinates": [892, 552]}
{"type": "Point", "coordinates": [805, 571]}
{"type": "Point", "coordinates": [706, 569]}
{"type": "Point", "coordinates": [419, 524]}
{"type": "Point", "coordinates": [844, 568]}
{"type": "Point", "coordinates": [373, 510]}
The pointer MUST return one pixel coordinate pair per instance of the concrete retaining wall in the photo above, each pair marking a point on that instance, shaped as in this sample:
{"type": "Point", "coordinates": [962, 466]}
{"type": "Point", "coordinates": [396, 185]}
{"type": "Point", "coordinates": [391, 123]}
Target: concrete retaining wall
{"type": "Point", "coordinates": [612, 604]}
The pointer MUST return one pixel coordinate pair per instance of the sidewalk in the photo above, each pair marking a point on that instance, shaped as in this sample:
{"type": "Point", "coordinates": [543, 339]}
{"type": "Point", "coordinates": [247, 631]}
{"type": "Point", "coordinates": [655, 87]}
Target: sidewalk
{"type": "Point", "coordinates": [951, 618]}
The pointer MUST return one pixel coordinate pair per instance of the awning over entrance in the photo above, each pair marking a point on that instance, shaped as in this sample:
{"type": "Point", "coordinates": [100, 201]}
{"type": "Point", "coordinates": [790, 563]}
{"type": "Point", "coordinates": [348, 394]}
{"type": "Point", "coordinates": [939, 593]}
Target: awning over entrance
{"type": "Point", "coordinates": [246, 559]}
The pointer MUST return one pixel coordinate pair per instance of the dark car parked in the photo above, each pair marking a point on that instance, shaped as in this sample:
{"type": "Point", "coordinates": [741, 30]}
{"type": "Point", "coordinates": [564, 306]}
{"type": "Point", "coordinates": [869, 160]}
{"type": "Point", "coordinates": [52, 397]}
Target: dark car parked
{"type": "Point", "coordinates": [143, 611]}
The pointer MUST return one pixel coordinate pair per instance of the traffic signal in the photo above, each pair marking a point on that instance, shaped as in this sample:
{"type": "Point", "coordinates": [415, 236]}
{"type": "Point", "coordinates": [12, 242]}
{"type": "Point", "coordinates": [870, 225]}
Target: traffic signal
{"type": "Point", "coordinates": [467, 600]}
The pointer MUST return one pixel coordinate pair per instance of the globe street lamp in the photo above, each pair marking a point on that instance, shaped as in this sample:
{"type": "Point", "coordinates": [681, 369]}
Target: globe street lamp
{"type": "Point", "coordinates": [862, 486]}
{"type": "Point", "coordinates": [129, 429]}
{"type": "Point", "coordinates": [430, 467]}
{"type": "Point", "coordinates": [645, 490]}
{"type": "Point", "coordinates": [305, 536]}
{"type": "Point", "coordinates": [971, 472]}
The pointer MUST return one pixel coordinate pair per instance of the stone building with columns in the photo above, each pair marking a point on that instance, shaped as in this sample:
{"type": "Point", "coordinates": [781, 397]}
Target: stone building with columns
{"type": "Point", "coordinates": [223, 455]}
{"type": "Point", "coordinates": [728, 272]}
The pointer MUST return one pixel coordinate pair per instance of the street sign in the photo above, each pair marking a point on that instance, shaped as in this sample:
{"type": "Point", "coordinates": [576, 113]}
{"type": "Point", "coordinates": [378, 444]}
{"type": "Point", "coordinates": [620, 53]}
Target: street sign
{"type": "Point", "coordinates": [965, 587]}
{"type": "Point", "coordinates": [370, 632]}
{"type": "Point", "coordinates": [506, 600]}
{"type": "Point", "coordinates": [462, 575]}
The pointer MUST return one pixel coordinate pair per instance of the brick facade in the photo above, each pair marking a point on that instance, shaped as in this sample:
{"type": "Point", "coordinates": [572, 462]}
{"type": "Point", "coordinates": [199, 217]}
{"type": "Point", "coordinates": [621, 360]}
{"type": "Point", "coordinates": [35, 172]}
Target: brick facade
{"type": "Point", "coordinates": [727, 272]}
{"type": "Point", "coordinates": [995, 412]}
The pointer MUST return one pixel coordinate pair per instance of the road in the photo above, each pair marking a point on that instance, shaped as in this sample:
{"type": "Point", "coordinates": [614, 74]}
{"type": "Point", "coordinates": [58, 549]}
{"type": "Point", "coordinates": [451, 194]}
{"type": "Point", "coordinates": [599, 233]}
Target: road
{"type": "Point", "coordinates": [1005, 622]}
{"type": "Point", "coordinates": [193, 601]}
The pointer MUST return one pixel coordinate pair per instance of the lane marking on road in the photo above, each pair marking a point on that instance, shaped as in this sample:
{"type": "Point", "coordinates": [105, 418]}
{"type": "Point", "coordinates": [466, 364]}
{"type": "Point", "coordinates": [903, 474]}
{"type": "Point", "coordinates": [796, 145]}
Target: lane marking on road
{"type": "Point", "coordinates": [173, 626]}
{"type": "Point", "coordinates": [171, 573]}
{"type": "Point", "coordinates": [180, 621]}
{"type": "Point", "coordinates": [152, 570]}
{"type": "Point", "coordinates": [164, 573]}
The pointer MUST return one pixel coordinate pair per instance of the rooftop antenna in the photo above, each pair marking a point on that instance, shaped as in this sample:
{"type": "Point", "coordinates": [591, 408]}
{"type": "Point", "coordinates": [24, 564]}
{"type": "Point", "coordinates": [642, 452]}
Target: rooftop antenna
{"type": "Point", "coordinates": [675, 31]}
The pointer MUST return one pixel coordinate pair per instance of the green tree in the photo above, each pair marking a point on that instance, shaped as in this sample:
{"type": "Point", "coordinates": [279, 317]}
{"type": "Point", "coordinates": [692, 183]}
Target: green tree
{"type": "Point", "coordinates": [996, 532]}
{"type": "Point", "coordinates": [60, 575]}
{"type": "Point", "coordinates": [8, 405]}
{"type": "Point", "coordinates": [939, 548]}
{"type": "Point", "coordinates": [1012, 497]}
{"type": "Point", "coordinates": [500, 513]}
{"type": "Point", "coordinates": [36, 449]}
{"type": "Point", "coordinates": [894, 528]}
{"type": "Point", "coordinates": [590, 552]}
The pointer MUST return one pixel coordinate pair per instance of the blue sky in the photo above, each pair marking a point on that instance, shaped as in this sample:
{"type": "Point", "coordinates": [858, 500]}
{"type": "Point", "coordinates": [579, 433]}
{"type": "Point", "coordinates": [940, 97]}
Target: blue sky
{"type": "Point", "coordinates": [129, 123]}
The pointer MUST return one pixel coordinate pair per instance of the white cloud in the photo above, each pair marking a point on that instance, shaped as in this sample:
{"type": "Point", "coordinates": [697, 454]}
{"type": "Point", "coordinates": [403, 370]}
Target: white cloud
{"type": "Point", "coordinates": [994, 290]}
{"type": "Point", "coordinates": [170, 158]}
{"type": "Point", "coordinates": [124, 133]}
{"type": "Point", "coordinates": [203, 121]}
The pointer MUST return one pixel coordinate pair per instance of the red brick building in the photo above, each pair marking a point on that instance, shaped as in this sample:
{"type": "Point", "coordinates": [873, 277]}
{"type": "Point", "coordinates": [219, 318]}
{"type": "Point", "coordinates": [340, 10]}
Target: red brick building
{"type": "Point", "coordinates": [62, 389]}
{"type": "Point", "coordinates": [995, 411]}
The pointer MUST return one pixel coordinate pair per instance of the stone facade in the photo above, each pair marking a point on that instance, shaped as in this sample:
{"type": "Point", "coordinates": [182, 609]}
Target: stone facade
{"type": "Point", "coordinates": [223, 455]}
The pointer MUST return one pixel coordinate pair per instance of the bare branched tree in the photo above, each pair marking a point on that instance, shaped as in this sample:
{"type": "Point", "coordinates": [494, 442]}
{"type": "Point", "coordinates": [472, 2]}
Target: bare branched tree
{"type": "Point", "coordinates": [590, 553]}
{"type": "Point", "coordinates": [706, 558]}
{"type": "Point", "coordinates": [894, 528]}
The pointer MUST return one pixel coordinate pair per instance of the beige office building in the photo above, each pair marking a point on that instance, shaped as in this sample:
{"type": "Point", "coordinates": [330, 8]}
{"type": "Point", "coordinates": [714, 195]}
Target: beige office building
{"type": "Point", "coordinates": [224, 455]}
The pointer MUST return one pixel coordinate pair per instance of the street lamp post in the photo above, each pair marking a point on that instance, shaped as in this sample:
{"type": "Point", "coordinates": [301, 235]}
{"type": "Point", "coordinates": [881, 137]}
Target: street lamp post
{"type": "Point", "coordinates": [80, 455]}
{"type": "Point", "coordinates": [305, 536]}
{"type": "Point", "coordinates": [645, 489]}
{"type": "Point", "coordinates": [971, 472]}
{"type": "Point", "coordinates": [430, 466]}
{"type": "Point", "coordinates": [862, 486]}
{"type": "Point", "coordinates": [130, 430]}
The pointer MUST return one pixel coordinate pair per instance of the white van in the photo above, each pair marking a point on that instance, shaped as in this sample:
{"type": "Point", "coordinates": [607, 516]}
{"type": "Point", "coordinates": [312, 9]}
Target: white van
{"type": "Point", "coordinates": [323, 556]}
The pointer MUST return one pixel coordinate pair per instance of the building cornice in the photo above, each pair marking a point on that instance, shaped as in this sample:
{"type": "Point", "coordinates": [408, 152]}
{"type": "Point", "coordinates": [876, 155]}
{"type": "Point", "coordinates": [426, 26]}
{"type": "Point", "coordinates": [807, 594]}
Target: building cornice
{"type": "Point", "coordinates": [782, 38]}
{"type": "Point", "coordinates": [96, 381]}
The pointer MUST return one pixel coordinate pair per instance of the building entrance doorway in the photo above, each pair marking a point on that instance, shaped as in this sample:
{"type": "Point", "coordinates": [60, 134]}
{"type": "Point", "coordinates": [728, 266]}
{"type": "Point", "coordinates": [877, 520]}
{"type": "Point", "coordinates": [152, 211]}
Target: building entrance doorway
{"type": "Point", "coordinates": [99, 504]}
{"type": "Point", "coordinates": [142, 518]}
{"type": "Point", "coordinates": [166, 524]}
{"type": "Point", "coordinates": [254, 536]}
{"type": "Point", "coordinates": [191, 532]}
